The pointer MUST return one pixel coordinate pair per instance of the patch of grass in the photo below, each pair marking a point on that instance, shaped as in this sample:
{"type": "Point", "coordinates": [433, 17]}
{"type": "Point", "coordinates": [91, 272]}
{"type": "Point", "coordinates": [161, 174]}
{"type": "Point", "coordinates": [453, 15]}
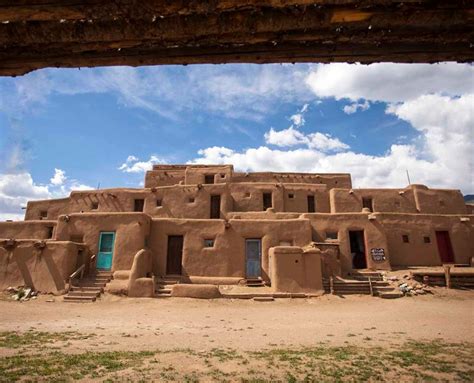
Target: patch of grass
{"type": "Point", "coordinates": [13, 339]}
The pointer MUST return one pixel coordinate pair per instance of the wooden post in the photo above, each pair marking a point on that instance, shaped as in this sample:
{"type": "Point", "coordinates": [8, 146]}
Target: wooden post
{"type": "Point", "coordinates": [371, 288]}
{"type": "Point", "coordinates": [447, 275]}
{"type": "Point", "coordinates": [331, 285]}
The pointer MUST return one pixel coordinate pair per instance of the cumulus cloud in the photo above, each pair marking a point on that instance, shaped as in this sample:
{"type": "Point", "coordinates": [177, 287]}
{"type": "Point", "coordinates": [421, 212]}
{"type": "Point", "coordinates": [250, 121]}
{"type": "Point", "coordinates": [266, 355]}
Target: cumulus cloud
{"type": "Point", "coordinates": [389, 82]}
{"type": "Point", "coordinates": [133, 164]}
{"type": "Point", "coordinates": [58, 178]}
{"type": "Point", "coordinates": [16, 189]}
{"type": "Point", "coordinates": [355, 106]}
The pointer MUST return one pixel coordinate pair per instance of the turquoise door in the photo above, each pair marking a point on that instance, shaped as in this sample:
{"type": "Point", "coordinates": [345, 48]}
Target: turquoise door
{"type": "Point", "coordinates": [253, 252]}
{"type": "Point", "coordinates": [106, 250]}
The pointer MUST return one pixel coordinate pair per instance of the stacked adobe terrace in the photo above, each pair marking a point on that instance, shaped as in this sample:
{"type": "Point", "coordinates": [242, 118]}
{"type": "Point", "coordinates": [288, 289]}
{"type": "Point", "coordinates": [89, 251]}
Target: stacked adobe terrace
{"type": "Point", "coordinates": [203, 224]}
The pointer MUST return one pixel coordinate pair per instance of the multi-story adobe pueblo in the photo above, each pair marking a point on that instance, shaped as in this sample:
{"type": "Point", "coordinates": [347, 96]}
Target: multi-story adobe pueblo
{"type": "Point", "coordinates": [210, 225]}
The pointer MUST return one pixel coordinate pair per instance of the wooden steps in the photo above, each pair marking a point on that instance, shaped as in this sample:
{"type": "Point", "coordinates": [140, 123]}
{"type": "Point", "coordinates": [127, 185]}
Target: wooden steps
{"type": "Point", "coordinates": [89, 288]}
{"type": "Point", "coordinates": [360, 284]}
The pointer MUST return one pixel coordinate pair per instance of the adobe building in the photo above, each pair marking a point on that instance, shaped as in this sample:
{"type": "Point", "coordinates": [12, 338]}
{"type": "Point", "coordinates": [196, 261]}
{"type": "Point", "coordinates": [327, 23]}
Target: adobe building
{"type": "Point", "coordinates": [204, 225]}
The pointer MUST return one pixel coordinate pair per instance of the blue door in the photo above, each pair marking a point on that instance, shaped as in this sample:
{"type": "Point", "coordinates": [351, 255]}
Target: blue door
{"type": "Point", "coordinates": [106, 250]}
{"type": "Point", "coordinates": [253, 255]}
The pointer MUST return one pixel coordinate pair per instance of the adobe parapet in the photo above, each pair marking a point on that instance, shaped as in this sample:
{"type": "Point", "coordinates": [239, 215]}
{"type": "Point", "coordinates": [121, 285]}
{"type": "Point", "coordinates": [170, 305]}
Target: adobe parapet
{"type": "Point", "coordinates": [167, 175]}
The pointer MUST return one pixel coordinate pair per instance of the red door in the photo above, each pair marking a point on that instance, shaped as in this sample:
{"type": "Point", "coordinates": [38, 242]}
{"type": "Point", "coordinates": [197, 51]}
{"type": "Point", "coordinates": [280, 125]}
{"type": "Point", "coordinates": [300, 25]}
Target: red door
{"type": "Point", "coordinates": [444, 247]}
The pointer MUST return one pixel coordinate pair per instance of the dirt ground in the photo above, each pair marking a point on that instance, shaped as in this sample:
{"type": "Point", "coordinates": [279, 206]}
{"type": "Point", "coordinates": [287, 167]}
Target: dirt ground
{"type": "Point", "coordinates": [116, 324]}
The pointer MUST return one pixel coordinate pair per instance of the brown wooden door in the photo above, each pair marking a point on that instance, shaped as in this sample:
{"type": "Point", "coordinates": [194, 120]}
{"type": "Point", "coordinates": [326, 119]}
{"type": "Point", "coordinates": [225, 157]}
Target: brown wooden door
{"type": "Point", "coordinates": [215, 206]}
{"type": "Point", "coordinates": [444, 247]}
{"type": "Point", "coordinates": [174, 257]}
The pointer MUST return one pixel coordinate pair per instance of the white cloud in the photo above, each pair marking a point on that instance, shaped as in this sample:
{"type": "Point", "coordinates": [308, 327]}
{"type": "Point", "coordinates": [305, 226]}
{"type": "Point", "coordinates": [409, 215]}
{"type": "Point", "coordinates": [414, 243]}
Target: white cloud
{"type": "Point", "coordinates": [16, 189]}
{"type": "Point", "coordinates": [390, 82]}
{"type": "Point", "coordinates": [285, 137]}
{"type": "Point", "coordinates": [59, 177]}
{"type": "Point", "coordinates": [134, 165]}
{"type": "Point", "coordinates": [442, 158]}
{"type": "Point", "coordinates": [355, 106]}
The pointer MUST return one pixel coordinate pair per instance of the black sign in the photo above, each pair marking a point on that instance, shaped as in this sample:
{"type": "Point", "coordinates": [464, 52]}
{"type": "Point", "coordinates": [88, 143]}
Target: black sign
{"type": "Point", "coordinates": [378, 254]}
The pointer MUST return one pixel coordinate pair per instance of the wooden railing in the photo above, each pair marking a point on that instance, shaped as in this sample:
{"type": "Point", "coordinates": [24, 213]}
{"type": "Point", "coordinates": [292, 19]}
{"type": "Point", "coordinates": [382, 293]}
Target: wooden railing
{"type": "Point", "coordinates": [80, 271]}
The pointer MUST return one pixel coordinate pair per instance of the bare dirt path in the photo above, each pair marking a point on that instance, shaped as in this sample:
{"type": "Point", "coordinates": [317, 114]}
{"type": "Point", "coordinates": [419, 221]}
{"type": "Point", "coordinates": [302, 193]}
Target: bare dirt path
{"type": "Point", "coordinates": [142, 324]}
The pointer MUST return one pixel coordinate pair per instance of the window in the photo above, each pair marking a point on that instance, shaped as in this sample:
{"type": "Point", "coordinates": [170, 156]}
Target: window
{"type": "Point", "coordinates": [267, 200]}
{"type": "Point", "coordinates": [138, 206]}
{"type": "Point", "coordinates": [43, 214]}
{"type": "Point", "coordinates": [311, 204]}
{"type": "Point", "coordinates": [209, 243]}
{"type": "Point", "coordinates": [426, 239]}
{"type": "Point", "coordinates": [94, 205]}
{"type": "Point", "coordinates": [291, 196]}
{"type": "Point", "coordinates": [441, 203]}
{"type": "Point", "coordinates": [191, 199]}
{"type": "Point", "coordinates": [247, 195]}
{"type": "Point", "coordinates": [368, 203]}
{"type": "Point", "coordinates": [405, 238]}
{"type": "Point", "coordinates": [331, 235]}
{"type": "Point", "coordinates": [158, 203]}
{"type": "Point", "coordinates": [209, 179]}
{"type": "Point", "coordinates": [49, 232]}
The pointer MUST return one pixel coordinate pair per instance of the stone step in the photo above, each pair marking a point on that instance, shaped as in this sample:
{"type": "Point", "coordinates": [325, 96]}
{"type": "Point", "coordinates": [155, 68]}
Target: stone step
{"type": "Point", "coordinates": [163, 291]}
{"type": "Point", "coordinates": [383, 288]}
{"type": "Point", "coordinates": [83, 283]}
{"type": "Point", "coordinates": [79, 299]}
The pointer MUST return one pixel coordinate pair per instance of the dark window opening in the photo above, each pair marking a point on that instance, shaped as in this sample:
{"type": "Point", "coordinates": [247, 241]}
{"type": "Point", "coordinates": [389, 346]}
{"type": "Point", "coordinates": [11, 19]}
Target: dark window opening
{"type": "Point", "coordinates": [208, 243]}
{"type": "Point", "coordinates": [331, 235]}
{"type": "Point", "coordinates": [426, 239]}
{"type": "Point", "coordinates": [368, 203]}
{"type": "Point", "coordinates": [94, 205]}
{"type": "Point", "coordinates": [215, 207]}
{"type": "Point", "coordinates": [50, 232]}
{"type": "Point", "coordinates": [441, 203]}
{"type": "Point", "coordinates": [43, 214]}
{"type": "Point", "coordinates": [267, 200]}
{"type": "Point", "coordinates": [209, 179]}
{"type": "Point", "coordinates": [158, 202]}
{"type": "Point", "coordinates": [291, 196]}
{"type": "Point", "coordinates": [191, 199]}
{"type": "Point", "coordinates": [357, 242]}
{"type": "Point", "coordinates": [311, 204]}
{"type": "Point", "coordinates": [405, 238]}
{"type": "Point", "coordinates": [247, 195]}
{"type": "Point", "coordinates": [139, 204]}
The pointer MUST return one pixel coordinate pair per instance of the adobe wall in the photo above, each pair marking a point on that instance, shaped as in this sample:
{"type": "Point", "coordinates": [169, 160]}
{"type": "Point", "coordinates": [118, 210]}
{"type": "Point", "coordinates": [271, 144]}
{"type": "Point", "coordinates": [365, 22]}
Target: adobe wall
{"type": "Point", "coordinates": [53, 207]}
{"type": "Point", "coordinates": [196, 174]}
{"type": "Point", "coordinates": [342, 223]}
{"type": "Point", "coordinates": [44, 270]}
{"type": "Point", "coordinates": [331, 180]}
{"type": "Point", "coordinates": [26, 229]}
{"type": "Point", "coordinates": [295, 271]}
{"type": "Point", "coordinates": [413, 199]}
{"type": "Point", "coordinates": [156, 178]}
{"type": "Point", "coordinates": [439, 201]}
{"type": "Point", "coordinates": [130, 229]}
{"type": "Point", "coordinates": [418, 253]}
{"type": "Point", "coordinates": [227, 257]}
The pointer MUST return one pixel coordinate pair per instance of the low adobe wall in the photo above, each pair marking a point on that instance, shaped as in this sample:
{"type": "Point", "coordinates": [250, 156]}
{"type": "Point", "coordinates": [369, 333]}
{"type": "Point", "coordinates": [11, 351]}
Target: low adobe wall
{"type": "Point", "coordinates": [40, 229]}
{"type": "Point", "coordinates": [195, 291]}
{"type": "Point", "coordinates": [296, 271]}
{"type": "Point", "coordinates": [45, 270]}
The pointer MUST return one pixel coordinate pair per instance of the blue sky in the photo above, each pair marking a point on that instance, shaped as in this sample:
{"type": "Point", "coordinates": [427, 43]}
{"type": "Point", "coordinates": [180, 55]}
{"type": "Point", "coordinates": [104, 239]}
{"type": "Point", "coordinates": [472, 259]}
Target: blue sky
{"type": "Point", "coordinates": [65, 129]}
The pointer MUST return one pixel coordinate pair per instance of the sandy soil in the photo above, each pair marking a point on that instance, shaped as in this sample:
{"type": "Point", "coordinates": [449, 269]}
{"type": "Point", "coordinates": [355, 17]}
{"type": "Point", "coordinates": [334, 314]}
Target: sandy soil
{"type": "Point", "coordinates": [142, 324]}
